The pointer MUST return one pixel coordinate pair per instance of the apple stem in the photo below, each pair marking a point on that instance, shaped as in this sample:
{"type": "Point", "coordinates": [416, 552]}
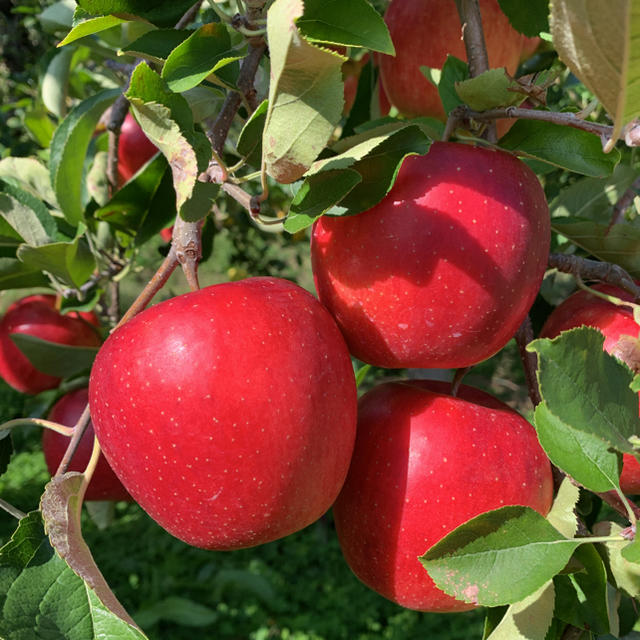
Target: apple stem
{"type": "Point", "coordinates": [585, 269]}
{"type": "Point", "coordinates": [187, 247]}
{"type": "Point", "coordinates": [457, 379]}
{"type": "Point", "coordinates": [9, 508]}
{"type": "Point", "coordinates": [524, 335]}
{"type": "Point", "coordinates": [153, 286]}
{"type": "Point", "coordinates": [78, 431]}
{"type": "Point", "coordinates": [475, 45]}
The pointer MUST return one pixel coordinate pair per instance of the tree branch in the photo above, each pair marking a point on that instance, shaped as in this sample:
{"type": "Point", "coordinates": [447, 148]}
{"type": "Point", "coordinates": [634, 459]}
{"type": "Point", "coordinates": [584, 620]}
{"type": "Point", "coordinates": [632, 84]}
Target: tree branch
{"type": "Point", "coordinates": [475, 46]}
{"type": "Point", "coordinates": [524, 336]}
{"type": "Point", "coordinates": [624, 202]}
{"type": "Point", "coordinates": [586, 269]}
{"type": "Point", "coordinates": [566, 119]}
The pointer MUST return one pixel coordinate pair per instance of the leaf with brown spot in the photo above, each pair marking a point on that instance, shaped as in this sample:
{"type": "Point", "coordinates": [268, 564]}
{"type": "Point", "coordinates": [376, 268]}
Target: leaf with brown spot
{"type": "Point", "coordinates": [305, 95]}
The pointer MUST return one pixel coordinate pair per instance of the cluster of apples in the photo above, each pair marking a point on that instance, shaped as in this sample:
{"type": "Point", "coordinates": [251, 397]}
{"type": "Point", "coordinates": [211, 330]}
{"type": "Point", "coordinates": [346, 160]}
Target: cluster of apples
{"type": "Point", "coordinates": [230, 414]}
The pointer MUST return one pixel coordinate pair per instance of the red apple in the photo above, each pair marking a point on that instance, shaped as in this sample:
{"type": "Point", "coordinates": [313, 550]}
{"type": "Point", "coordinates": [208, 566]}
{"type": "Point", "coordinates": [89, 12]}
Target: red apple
{"type": "Point", "coordinates": [134, 148]}
{"type": "Point", "coordinates": [67, 410]}
{"type": "Point", "coordinates": [444, 269]}
{"type": "Point", "coordinates": [424, 463]}
{"type": "Point", "coordinates": [423, 33]}
{"type": "Point", "coordinates": [583, 308]}
{"type": "Point", "coordinates": [228, 413]}
{"type": "Point", "coordinates": [37, 316]}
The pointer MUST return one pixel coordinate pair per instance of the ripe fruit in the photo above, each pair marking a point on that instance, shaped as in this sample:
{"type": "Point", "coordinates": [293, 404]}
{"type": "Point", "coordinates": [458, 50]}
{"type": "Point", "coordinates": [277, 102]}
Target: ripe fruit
{"type": "Point", "coordinates": [134, 148]}
{"type": "Point", "coordinates": [424, 463]}
{"type": "Point", "coordinates": [583, 308]}
{"type": "Point", "coordinates": [444, 269]}
{"type": "Point", "coordinates": [228, 413]}
{"type": "Point", "coordinates": [424, 32]}
{"type": "Point", "coordinates": [37, 316]}
{"type": "Point", "coordinates": [67, 410]}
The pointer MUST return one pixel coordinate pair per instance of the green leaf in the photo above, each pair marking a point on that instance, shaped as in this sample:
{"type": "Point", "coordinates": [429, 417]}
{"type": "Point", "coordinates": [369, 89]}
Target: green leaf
{"type": "Point", "coordinates": [40, 126]}
{"type": "Point", "coordinates": [355, 23]}
{"type": "Point", "coordinates": [587, 388]}
{"type": "Point", "coordinates": [166, 119]}
{"type": "Point", "coordinates": [482, 560]}
{"type": "Point", "coordinates": [35, 580]}
{"type": "Point", "coordinates": [249, 144]}
{"type": "Point", "coordinates": [593, 198]}
{"type": "Point", "coordinates": [489, 90]}
{"type": "Point", "coordinates": [619, 244]}
{"type": "Point", "coordinates": [375, 156]}
{"type": "Point", "coordinates": [585, 457]}
{"type": "Point", "coordinates": [203, 53]}
{"type": "Point", "coordinates": [130, 205]}
{"type": "Point", "coordinates": [631, 552]}
{"type": "Point", "coordinates": [305, 96]}
{"type": "Point", "coordinates": [603, 54]}
{"type": "Point", "coordinates": [68, 151]}
{"type": "Point", "coordinates": [179, 610]}
{"type": "Point", "coordinates": [55, 83]}
{"type": "Point", "coordinates": [529, 18]}
{"type": "Point", "coordinates": [52, 358]}
{"type": "Point", "coordinates": [563, 515]}
{"type": "Point", "coordinates": [635, 383]}
{"type": "Point", "coordinates": [163, 13]}
{"type": "Point", "coordinates": [17, 275]}
{"type": "Point", "coordinates": [625, 574]}
{"type": "Point", "coordinates": [581, 598]}
{"type": "Point", "coordinates": [72, 262]}
{"type": "Point", "coordinates": [453, 71]}
{"type": "Point", "coordinates": [156, 45]}
{"type": "Point", "coordinates": [561, 146]}
{"type": "Point", "coordinates": [200, 202]}
{"type": "Point", "coordinates": [89, 26]}
{"type": "Point", "coordinates": [30, 175]}
{"type": "Point", "coordinates": [58, 16]}
{"type": "Point", "coordinates": [319, 194]}
{"type": "Point", "coordinates": [528, 619]}
{"type": "Point", "coordinates": [26, 215]}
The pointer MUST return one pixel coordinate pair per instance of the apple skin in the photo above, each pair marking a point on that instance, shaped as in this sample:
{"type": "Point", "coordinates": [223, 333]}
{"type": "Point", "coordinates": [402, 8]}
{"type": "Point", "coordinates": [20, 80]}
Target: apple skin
{"type": "Point", "coordinates": [228, 413]}
{"type": "Point", "coordinates": [444, 269]}
{"type": "Point", "coordinates": [37, 316]}
{"type": "Point", "coordinates": [67, 410]}
{"type": "Point", "coordinates": [424, 463]}
{"type": "Point", "coordinates": [423, 33]}
{"type": "Point", "coordinates": [134, 148]}
{"type": "Point", "coordinates": [582, 308]}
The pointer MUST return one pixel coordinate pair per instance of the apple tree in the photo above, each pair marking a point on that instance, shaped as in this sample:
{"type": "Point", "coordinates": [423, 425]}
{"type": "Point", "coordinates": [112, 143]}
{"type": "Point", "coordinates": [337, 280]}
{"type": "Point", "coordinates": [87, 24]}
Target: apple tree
{"type": "Point", "coordinates": [459, 169]}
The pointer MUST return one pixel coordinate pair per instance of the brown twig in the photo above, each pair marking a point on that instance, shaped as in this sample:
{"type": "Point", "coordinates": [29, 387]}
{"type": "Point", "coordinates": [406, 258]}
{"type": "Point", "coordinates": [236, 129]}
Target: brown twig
{"type": "Point", "coordinates": [232, 102]}
{"type": "Point", "coordinates": [118, 113]}
{"type": "Point", "coordinates": [624, 203]}
{"type": "Point", "coordinates": [189, 15]}
{"type": "Point", "coordinates": [475, 46]}
{"type": "Point", "coordinates": [566, 119]}
{"type": "Point", "coordinates": [594, 270]}
{"type": "Point", "coordinates": [524, 335]}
